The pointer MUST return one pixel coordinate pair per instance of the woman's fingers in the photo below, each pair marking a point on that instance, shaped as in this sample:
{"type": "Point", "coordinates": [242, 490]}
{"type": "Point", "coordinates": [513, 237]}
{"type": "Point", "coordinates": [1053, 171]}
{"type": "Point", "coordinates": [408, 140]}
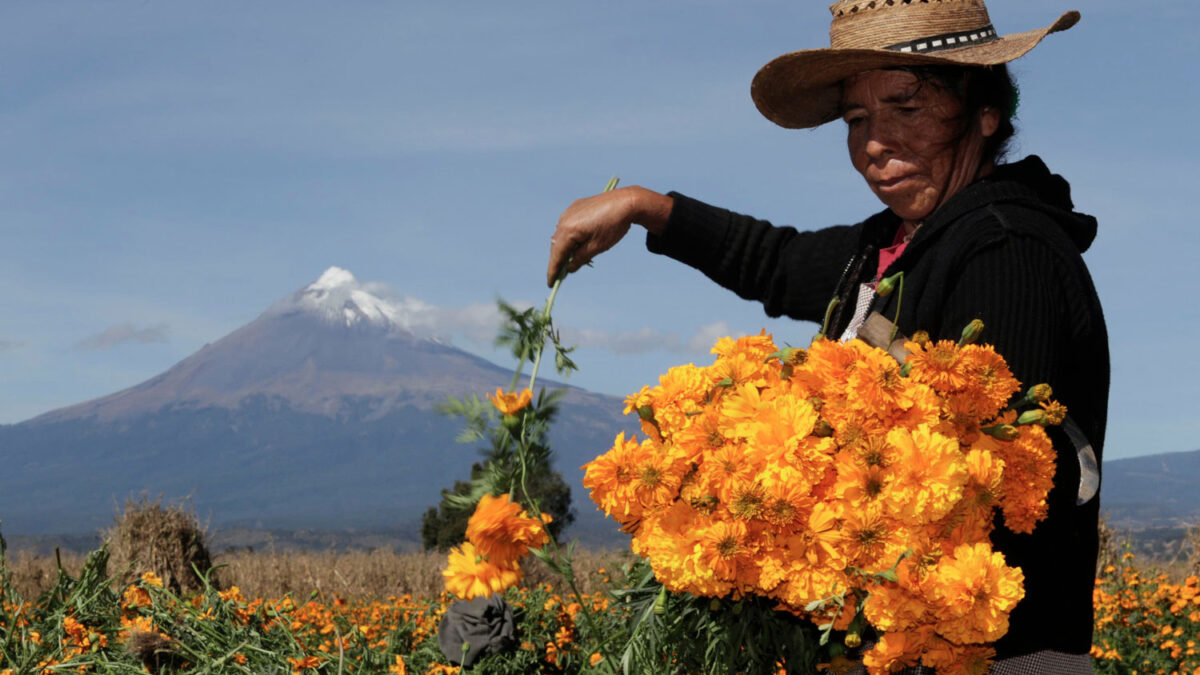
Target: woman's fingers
{"type": "Point", "coordinates": [588, 227]}
{"type": "Point", "coordinates": [592, 225]}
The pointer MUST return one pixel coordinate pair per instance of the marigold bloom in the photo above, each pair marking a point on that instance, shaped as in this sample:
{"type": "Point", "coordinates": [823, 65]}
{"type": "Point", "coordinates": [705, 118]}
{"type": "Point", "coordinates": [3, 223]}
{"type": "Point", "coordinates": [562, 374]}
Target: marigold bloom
{"type": "Point", "coordinates": [301, 664]}
{"type": "Point", "coordinates": [510, 403]}
{"type": "Point", "coordinates": [930, 474]}
{"type": "Point", "coordinates": [502, 531]}
{"type": "Point", "coordinates": [609, 477]}
{"type": "Point", "coordinates": [937, 364]}
{"type": "Point", "coordinates": [469, 575]}
{"type": "Point", "coordinates": [975, 591]}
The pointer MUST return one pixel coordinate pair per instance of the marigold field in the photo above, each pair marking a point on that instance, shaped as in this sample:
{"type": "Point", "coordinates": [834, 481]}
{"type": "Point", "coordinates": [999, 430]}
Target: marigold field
{"type": "Point", "coordinates": [1147, 621]}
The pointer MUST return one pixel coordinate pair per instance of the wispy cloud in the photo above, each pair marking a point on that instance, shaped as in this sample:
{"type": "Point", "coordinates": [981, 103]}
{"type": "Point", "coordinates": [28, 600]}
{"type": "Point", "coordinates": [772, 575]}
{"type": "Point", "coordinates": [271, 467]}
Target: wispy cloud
{"type": "Point", "coordinates": [122, 333]}
{"type": "Point", "coordinates": [478, 322]}
{"type": "Point", "coordinates": [9, 345]}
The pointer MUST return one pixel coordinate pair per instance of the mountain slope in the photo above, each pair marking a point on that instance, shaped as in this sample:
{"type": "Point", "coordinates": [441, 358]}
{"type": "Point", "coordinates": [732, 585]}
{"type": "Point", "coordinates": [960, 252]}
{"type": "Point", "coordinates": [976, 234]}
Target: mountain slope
{"type": "Point", "coordinates": [317, 414]}
{"type": "Point", "coordinates": [1152, 491]}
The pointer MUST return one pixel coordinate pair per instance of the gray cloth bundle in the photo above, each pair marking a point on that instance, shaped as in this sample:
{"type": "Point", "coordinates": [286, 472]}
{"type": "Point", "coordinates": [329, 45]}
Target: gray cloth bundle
{"type": "Point", "coordinates": [484, 624]}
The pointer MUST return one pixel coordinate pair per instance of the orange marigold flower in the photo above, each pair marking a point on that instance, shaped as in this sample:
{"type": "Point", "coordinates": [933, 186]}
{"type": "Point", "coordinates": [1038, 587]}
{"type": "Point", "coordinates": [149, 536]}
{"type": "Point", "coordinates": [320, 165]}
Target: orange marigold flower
{"type": "Point", "coordinates": [988, 378]}
{"type": "Point", "coordinates": [502, 531]}
{"type": "Point", "coordinates": [975, 592]}
{"type": "Point", "coordinates": [876, 382]}
{"type": "Point", "coordinates": [937, 364]}
{"type": "Point", "coordinates": [398, 668]}
{"type": "Point", "coordinates": [302, 664]}
{"type": "Point", "coordinates": [135, 596]}
{"type": "Point", "coordinates": [723, 548]}
{"type": "Point", "coordinates": [930, 474]}
{"type": "Point", "coordinates": [1055, 412]}
{"type": "Point", "coordinates": [510, 403]}
{"type": "Point", "coordinates": [896, 651]}
{"type": "Point", "coordinates": [610, 477]}
{"type": "Point", "coordinates": [469, 575]}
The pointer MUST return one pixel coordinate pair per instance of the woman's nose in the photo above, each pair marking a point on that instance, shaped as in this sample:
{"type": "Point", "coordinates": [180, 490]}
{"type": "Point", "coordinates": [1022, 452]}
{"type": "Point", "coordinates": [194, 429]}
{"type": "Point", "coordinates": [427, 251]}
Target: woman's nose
{"type": "Point", "coordinates": [880, 139]}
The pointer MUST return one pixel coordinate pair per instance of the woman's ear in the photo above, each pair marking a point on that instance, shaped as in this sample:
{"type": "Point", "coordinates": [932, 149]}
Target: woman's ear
{"type": "Point", "coordinates": [989, 121]}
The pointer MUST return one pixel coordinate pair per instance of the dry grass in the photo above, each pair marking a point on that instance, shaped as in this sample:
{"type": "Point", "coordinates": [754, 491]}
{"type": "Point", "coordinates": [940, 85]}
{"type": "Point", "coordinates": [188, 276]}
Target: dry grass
{"type": "Point", "coordinates": [350, 574]}
{"type": "Point", "coordinates": [377, 574]}
{"type": "Point", "coordinates": [32, 574]}
{"type": "Point", "coordinates": [166, 540]}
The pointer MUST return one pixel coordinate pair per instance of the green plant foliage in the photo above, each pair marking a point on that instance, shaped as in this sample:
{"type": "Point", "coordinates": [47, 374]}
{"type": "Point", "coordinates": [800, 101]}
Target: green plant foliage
{"type": "Point", "coordinates": [682, 633]}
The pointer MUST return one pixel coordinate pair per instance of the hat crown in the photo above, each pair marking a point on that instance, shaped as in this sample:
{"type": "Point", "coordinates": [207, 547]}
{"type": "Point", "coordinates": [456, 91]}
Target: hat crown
{"type": "Point", "coordinates": [881, 24]}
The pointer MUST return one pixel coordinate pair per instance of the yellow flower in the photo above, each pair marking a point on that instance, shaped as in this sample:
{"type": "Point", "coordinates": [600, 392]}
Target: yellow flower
{"type": "Point", "coordinates": [469, 575]}
{"type": "Point", "coordinates": [398, 668]}
{"type": "Point", "coordinates": [510, 404]}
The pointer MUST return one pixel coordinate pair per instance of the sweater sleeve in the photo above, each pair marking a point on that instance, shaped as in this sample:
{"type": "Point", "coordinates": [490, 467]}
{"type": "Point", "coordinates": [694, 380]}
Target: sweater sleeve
{"type": "Point", "coordinates": [792, 273]}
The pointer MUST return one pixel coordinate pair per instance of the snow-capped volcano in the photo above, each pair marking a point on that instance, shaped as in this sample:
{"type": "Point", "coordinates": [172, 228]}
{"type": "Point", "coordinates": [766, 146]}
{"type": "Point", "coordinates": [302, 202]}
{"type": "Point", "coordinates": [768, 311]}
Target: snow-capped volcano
{"type": "Point", "coordinates": [319, 410]}
{"type": "Point", "coordinates": [338, 298]}
{"type": "Point", "coordinates": [332, 341]}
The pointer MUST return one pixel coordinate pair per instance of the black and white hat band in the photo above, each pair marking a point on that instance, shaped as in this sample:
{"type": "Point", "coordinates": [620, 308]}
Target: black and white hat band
{"type": "Point", "coordinates": [937, 43]}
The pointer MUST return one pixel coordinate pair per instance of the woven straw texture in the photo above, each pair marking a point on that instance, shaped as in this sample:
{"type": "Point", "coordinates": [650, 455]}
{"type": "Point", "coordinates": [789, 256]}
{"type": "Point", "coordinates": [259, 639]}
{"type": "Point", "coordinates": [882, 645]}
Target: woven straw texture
{"type": "Point", "coordinates": [802, 89]}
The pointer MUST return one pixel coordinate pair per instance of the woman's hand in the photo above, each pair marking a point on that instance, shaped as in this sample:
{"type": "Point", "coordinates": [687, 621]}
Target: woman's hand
{"type": "Point", "coordinates": [592, 225]}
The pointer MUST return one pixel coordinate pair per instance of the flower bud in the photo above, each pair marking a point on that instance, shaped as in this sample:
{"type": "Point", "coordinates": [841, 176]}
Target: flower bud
{"type": "Point", "coordinates": [1040, 392]}
{"type": "Point", "coordinates": [715, 605]}
{"type": "Point", "coordinates": [853, 640]}
{"type": "Point", "coordinates": [822, 429]}
{"type": "Point", "coordinates": [1032, 417]}
{"type": "Point", "coordinates": [920, 337]}
{"type": "Point", "coordinates": [888, 284]}
{"type": "Point", "coordinates": [646, 412]}
{"type": "Point", "coordinates": [971, 333]}
{"type": "Point", "coordinates": [660, 603]}
{"type": "Point", "coordinates": [1004, 432]}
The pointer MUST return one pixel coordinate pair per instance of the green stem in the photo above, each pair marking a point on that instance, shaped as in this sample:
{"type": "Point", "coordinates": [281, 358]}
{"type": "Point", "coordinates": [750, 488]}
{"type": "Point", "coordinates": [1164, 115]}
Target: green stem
{"type": "Point", "coordinates": [828, 314]}
{"type": "Point", "coordinates": [895, 324]}
{"type": "Point", "coordinates": [541, 347]}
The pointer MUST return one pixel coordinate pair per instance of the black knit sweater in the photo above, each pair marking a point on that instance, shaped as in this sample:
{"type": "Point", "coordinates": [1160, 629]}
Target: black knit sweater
{"type": "Point", "coordinates": [1006, 250]}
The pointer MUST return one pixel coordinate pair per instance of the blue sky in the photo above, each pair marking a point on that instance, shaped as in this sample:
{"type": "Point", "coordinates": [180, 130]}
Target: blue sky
{"type": "Point", "coordinates": [168, 170]}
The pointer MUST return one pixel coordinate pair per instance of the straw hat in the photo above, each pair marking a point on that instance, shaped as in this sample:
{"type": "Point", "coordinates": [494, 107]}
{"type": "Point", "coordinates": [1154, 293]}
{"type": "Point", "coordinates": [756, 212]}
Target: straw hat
{"type": "Point", "coordinates": [802, 89]}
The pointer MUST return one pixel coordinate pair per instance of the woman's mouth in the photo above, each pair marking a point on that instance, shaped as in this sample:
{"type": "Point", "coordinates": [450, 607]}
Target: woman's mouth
{"type": "Point", "coordinates": [891, 183]}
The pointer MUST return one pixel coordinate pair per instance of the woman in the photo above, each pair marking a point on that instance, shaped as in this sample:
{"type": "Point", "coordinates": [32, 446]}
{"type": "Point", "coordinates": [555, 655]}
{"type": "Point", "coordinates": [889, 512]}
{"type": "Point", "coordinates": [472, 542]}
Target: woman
{"type": "Point", "coordinates": [927, 121]}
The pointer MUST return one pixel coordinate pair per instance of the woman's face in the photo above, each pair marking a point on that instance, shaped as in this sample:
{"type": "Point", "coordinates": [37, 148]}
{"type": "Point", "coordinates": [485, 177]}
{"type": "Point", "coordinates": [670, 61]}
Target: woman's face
{"type": "Point", "coordinates": [906, 139]}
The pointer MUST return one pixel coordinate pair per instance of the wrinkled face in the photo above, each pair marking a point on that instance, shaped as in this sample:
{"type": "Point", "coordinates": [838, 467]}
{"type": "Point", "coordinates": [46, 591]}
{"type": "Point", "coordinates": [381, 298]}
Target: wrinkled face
{"type": "Point", "coordinates": [905, 138]}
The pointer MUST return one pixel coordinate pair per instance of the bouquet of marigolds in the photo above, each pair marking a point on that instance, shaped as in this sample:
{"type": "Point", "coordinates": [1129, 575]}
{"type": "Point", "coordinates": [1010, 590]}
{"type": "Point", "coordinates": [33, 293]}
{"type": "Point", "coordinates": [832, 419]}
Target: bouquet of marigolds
{"type": "Point", "coordinates": [837, 485]}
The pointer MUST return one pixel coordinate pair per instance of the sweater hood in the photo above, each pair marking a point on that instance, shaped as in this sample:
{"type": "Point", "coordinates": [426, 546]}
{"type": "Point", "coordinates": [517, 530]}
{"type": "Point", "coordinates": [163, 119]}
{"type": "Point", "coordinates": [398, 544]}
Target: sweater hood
{"type": "Point", "coordinates": [1027, 182]}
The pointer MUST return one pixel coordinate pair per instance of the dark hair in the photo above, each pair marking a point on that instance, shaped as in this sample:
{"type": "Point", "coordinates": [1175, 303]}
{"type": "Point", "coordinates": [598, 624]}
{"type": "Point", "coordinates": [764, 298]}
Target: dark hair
{"type": "Point", "coordinates": [976, 88]}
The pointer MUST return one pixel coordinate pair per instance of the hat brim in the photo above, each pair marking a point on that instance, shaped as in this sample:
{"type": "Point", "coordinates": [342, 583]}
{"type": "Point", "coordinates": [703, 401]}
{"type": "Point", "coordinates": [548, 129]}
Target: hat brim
{"type": "Point", "coordinates": [802, 89]}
